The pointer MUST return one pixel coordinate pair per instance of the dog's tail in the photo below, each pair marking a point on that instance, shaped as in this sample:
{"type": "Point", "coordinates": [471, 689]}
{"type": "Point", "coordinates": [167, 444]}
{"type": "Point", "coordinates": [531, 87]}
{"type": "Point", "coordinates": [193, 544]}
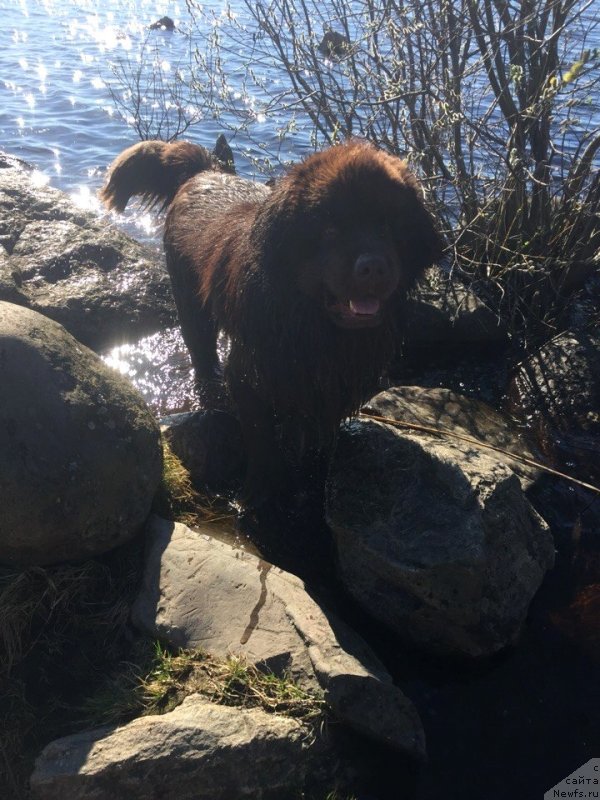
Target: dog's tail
{"type": "Point", "coordinates": [155, 170]}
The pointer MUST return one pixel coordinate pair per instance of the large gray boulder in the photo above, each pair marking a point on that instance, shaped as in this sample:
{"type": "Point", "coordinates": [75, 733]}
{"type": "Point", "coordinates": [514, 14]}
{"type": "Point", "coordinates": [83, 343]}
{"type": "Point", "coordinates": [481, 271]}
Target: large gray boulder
{"type": "Point", "coordinates": [435, 538]}
{"type": "Point", "coordinates": [80, 455]}
{"type": "Point", "coordinates": [199, 751]}
{"type": "Point", "coordinates": [201, 593]}
{"type": "Point", "coordinates": [446, 411]}
{"type": "Point", "coordinates": [75, 268]}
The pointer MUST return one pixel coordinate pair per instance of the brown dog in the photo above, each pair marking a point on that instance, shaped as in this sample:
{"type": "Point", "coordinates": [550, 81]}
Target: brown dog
{"type": "Point", "coordinates": [307, 280]}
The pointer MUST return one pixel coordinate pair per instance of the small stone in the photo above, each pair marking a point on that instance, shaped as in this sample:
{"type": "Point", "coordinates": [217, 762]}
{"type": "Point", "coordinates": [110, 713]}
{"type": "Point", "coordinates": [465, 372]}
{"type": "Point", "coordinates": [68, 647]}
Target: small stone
{"type": "Point", "coordinates": [198, 751]}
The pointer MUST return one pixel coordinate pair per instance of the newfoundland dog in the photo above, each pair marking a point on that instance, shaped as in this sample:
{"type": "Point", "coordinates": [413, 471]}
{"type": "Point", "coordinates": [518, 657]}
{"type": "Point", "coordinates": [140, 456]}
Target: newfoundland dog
{"type": "Point", "coordinates": [306, 279]}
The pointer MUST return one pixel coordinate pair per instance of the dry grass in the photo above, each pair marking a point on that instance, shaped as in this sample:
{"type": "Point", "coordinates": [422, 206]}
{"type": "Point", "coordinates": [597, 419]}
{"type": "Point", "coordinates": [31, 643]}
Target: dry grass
{"type": "Point", "coordinates": [161, 680]}
{"type": "Point", "coordinates": [177, 498]}
{"type": "Point", "coordinates": [60, 629]}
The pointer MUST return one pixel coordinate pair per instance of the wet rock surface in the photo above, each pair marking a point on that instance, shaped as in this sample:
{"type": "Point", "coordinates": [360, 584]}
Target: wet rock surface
{"type": "Point", "coordinates": [66, 263]}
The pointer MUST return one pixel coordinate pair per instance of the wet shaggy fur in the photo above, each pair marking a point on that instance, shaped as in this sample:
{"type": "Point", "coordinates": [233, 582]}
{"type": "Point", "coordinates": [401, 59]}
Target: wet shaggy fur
{"type": "Point", "coordinates": [307, 279]}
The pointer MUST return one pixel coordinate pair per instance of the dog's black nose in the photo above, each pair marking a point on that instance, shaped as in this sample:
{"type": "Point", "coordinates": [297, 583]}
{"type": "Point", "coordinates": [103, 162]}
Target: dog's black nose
{"type": "Point", "coordinates": [371, 269]}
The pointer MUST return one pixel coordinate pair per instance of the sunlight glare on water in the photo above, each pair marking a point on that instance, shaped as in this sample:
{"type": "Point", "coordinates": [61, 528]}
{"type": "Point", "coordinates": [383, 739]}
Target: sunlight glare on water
{"type": "Point", "coordinates": [84, 198]}
{"type": "Point", "coordinates": [56, 111]}
{"type": "Point", "coordinates": [160, 367]}
{"type": "Point", "coordinates": [58, 66]}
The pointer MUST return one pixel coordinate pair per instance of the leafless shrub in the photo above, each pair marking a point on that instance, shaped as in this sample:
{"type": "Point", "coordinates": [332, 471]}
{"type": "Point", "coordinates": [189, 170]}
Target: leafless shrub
{"type": "Point", "coordinates": [152, 95]}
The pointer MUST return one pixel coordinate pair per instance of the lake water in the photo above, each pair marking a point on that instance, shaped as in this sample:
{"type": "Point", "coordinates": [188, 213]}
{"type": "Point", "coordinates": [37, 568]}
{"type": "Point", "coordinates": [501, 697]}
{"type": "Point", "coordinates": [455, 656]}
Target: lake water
{"type": "Point", "coordinates": [56, 110]}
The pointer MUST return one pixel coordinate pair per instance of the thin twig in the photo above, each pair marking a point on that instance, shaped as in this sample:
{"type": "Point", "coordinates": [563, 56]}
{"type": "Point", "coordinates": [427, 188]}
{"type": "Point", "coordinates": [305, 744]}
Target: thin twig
{"type": "Point", "coordinates": [530, 462]}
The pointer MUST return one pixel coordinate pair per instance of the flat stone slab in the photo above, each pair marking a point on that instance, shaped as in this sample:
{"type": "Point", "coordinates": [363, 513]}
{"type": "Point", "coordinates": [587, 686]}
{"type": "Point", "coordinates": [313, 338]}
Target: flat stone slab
{"type": "Point", "coordinates": [198, 751]}
{"type": "Point", "coordinates": [200, 593]}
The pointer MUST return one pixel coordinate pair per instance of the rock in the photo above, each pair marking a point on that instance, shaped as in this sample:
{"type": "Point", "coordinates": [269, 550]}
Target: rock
{"type": "Point", "coordinates": [12, 162]}
{"type": "Point", "coordinates": [199, 751]}
{"type": "Point", "coordinates": [334, 44]}
{"type": "Point", "coordinates": [561, 382]}
{"type": "Point", "coordinates": [448, 411]}
{"type": "Point", "coordinates": [9, 289]}
{"type": "Point", "coordinates": [163, 24]}
{"type": "Point", "coordinates": [201, 593]}
{"type": "Point", "coordinates": [444, 315]}
{"type": "Point", "coordinates": [80, 456]}
{"type": "Point", "coordinates": [209, 445]}
{"type": "Point", "coordinates": [75, 268]}
{"type": "Point", "coordinates": [435, 538]}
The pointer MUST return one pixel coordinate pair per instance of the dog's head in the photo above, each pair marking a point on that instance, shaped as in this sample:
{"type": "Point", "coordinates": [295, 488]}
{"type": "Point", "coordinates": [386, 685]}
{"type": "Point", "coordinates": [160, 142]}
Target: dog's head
{"type": "Point", "coordinates": [348, 228]}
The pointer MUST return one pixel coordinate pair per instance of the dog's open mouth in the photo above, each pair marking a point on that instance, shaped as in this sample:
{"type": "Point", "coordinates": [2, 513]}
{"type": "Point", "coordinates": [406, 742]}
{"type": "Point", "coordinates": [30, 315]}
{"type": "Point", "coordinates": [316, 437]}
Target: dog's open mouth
{"type": "Point", "coordinates": [355, 312]}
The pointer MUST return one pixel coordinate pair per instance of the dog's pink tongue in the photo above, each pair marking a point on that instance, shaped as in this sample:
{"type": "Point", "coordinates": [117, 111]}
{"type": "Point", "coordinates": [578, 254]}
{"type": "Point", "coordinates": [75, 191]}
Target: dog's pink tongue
{"type": "Point", "coordinates": [368, 306]}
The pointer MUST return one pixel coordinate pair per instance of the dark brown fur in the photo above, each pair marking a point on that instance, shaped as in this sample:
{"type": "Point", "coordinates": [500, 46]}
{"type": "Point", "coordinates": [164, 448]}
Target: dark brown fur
{"type": "Point", "coordinates": [307, 280]}
{"type": "Point", "coordinates": [155, 170]}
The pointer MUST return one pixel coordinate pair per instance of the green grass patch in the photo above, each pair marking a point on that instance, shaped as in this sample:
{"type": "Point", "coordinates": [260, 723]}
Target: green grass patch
{"type": "Point", "coordinates": [160, 680]}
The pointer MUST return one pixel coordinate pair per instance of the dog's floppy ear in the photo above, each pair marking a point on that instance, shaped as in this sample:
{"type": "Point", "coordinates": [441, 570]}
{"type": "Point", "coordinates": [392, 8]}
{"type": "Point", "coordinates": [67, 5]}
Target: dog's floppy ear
{"type": "Point", "coordinates": [418, 239]}
{"type": "Point", "coordinates": [418, 242]}
{"type": "Point", "coordinates": [283, 227]}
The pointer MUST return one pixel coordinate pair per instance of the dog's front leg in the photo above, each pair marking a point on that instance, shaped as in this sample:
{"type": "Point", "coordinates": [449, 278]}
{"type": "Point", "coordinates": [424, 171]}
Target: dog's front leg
{"type": "Point", "coordinates": [267, 473]}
